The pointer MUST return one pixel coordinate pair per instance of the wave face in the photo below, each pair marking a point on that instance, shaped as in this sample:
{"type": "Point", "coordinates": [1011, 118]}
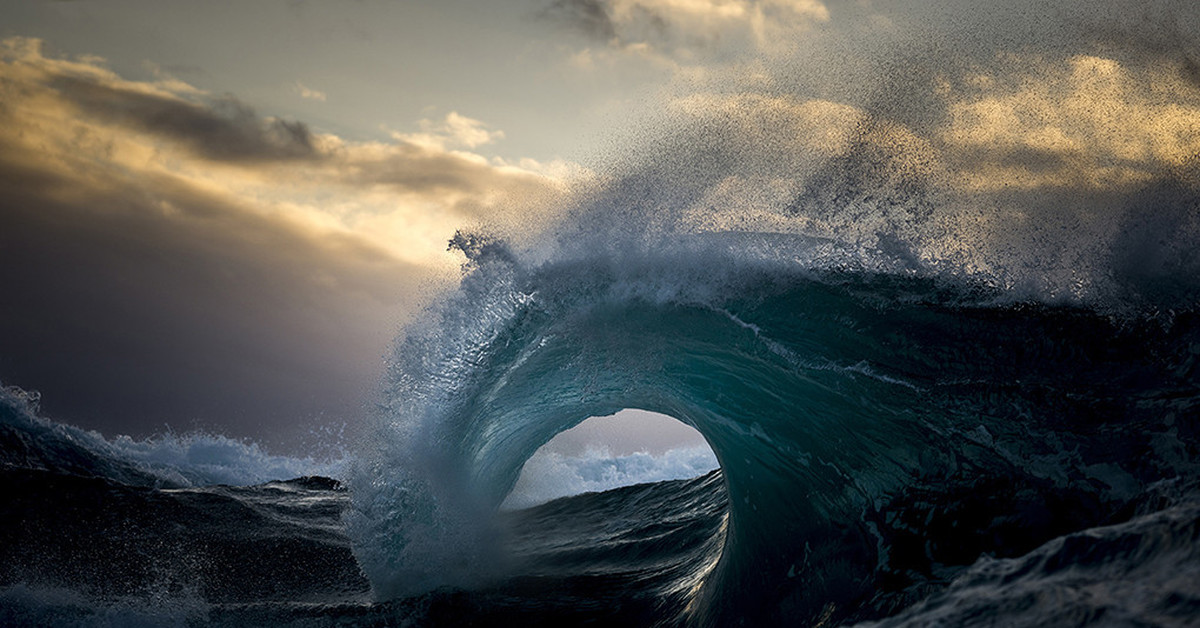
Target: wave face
{"type": "Point", "coordinates": [878, 432]}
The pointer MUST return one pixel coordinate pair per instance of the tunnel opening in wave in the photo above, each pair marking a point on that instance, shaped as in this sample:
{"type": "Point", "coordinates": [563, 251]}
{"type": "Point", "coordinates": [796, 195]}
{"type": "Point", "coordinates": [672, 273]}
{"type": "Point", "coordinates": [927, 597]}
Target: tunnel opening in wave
{"type": "Point", "coordinates": [629, 507]}
{"type": "Point", "coordinates": [603, 453]}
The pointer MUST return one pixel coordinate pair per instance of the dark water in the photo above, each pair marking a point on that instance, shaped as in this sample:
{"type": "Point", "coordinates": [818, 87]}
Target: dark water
{"type": "Point", "coordinates": [82, 549]}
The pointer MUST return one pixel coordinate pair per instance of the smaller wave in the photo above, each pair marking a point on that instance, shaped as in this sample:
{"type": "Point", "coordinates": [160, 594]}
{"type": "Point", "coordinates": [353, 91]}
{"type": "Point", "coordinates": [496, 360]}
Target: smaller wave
{"type": "Point", "coordinates": [203, 459]}
{"type": "Point", "coordinates": [185, 460]}
{"type": "Point", "coordinates": [550, 475]}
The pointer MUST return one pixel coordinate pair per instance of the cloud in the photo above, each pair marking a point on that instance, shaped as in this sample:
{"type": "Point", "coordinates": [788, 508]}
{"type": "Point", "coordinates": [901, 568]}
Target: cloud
{"type": "Point", "coordinates": [1086, 122]}
{"type": "Point", "coordinates": [310, 94]}
{"type": "Point", "coordinates": [588, 16]}
{"type": "Point", "coordinates": [224, 129]}
{"type": "Point", "coordinates": [408, 195]}
{"type": "Point", "coordinates": [181, 257]}
{"type": "Point", "coordinates": [454, 130]}
{"type": "Point", "coordinates": [149, 302]}
{"type": "Point", "coordinates": [687, 30]}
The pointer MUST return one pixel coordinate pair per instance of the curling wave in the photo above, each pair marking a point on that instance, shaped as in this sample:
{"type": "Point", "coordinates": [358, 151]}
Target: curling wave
{"type": "Point", "coordinates": [899, 372]}
{"type": "Point", "coordinates": [876, 432]}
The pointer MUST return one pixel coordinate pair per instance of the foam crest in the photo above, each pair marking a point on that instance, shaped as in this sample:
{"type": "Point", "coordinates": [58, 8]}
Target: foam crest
{"type": "Point", "coordinates": [190, 459]}
{"type": "Point", "coordinates": [550, 475]}
{"type": "Point", "coordinates": [203, 459]}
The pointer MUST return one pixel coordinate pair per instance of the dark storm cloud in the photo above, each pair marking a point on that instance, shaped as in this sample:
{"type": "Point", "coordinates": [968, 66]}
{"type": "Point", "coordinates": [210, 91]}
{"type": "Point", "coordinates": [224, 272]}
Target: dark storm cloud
{"type": "Point", "coordinates": [588, 16]}
{"type": "Point", "coordinates": [128, 317]}
{"type": "Point", "coordinates": [159, 268]}
{"type": "Point", "coordinates": [226, 130]}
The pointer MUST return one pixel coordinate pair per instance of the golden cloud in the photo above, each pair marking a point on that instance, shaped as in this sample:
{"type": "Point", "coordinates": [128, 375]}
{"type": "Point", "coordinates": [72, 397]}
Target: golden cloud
{"type": "Point", "coordinates": [77, 119]}
{"type": "Point", "coordinates": [1087, 122]}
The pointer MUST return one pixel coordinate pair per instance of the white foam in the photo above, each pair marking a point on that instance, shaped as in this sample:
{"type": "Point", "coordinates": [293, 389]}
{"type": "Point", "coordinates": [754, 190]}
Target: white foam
{"type": "Point", "coordinates": [190, 459]}
{"type": "Point", "coordinates": [200, 458]}
{"type": "Point", "coordinates": [549, 475]}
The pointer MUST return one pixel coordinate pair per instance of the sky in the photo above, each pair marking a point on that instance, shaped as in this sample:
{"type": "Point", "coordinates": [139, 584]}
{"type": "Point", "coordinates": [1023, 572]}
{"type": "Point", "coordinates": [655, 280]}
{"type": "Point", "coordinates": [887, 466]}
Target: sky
{"type": "Point", "coordinates": [218, 215]}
